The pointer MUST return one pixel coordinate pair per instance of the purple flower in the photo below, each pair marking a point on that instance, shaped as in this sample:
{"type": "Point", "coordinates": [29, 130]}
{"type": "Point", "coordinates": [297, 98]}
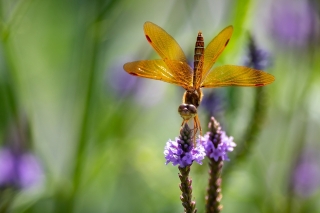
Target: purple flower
{"type": "Point", "coordinates": [306, 176]}
{"type": "Point", "coordinates": [256, 58]}
{"type": "Point", "coordinates": [181, 151]}
{"type": "Point", "coordinates": [213, 102]}
{"type": "Point", "coordinates": [226, 145]}
{"type": "Point", "coordinates": [120, 82]}
{"type": "Point", "coordinates": [19, 170]}
{"type": "Point", "coordinates": [216, 143]}
{"type": "Point", "coordinates": [293, 21]}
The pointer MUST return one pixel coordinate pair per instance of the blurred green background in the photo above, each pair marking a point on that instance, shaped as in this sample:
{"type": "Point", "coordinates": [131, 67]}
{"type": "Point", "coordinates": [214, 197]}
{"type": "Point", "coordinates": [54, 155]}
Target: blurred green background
{"type": "Point", "coordinates": [88, 137]}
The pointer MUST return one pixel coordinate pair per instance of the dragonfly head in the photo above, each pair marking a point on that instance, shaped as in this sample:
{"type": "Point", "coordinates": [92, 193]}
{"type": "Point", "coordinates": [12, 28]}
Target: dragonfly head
{"type": "Point", "coordinates": [187, 111]}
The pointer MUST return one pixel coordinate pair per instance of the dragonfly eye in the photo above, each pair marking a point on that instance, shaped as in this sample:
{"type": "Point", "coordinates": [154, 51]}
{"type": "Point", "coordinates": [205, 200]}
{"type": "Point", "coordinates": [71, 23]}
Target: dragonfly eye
{"type": "Point", "coordinates": [192, 109]}
{"type": "Point", "coordinates": [187, 111]}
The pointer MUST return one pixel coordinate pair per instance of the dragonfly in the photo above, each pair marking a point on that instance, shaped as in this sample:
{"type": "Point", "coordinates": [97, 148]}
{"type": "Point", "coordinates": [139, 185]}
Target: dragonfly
{"type": "Point", "coordinates": [173, 68]}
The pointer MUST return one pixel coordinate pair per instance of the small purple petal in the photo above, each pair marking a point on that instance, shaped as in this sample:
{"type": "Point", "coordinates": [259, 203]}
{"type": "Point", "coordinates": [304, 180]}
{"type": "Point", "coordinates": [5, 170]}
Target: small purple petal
{"type": "Point", "coordinates": [6, 165]}
{"type": "Point", "coordinates": [177, 156]}
{"type": "Point", "coordinates": [20, 170]}
{"type": "Point", "coordinates": [293, 22]}
{"type": "Point", "coordinates": [30, 170]}
{"type": "Point", "coordinates": [306, 175]}
{"type": "Point", "coordinates": [226, 145]}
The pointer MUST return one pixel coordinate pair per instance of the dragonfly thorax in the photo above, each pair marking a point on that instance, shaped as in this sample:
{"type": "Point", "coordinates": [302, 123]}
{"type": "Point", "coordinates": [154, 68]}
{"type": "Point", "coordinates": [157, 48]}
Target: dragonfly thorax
{"type": "Point", "coordinates": [192, 97]}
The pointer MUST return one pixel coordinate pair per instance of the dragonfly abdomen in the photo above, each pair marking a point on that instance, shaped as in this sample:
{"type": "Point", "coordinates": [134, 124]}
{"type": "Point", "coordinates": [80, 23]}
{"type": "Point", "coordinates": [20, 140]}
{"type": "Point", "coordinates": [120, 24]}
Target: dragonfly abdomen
{"type": "Point", "coordinates": [198, 53]}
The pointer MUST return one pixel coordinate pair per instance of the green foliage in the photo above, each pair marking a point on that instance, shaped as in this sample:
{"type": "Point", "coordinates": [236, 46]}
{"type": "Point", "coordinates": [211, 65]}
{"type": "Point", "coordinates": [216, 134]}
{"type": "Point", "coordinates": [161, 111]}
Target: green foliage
{"type": "Point", "coordinates": [102, 150]}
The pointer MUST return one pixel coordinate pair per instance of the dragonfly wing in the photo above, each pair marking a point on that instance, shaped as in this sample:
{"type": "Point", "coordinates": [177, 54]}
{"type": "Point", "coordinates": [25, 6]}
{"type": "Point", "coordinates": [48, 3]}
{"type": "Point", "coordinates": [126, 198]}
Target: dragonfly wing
{"type": "Point", "coordinates": [214, 50]}
{"type": "Point", "coordinates": [163, 43]}
{"type": "Point", "coordinates": [232, 75]}
{"type": "Point", "coordinates": [174, 72]}
{"type": "Point", "coordinates": [182, 71]}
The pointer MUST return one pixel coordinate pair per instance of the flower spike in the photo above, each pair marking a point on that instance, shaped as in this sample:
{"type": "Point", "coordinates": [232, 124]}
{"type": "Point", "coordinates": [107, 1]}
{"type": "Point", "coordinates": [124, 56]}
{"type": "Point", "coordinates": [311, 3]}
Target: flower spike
{"type": "Point", "coordinates": [182, 151]}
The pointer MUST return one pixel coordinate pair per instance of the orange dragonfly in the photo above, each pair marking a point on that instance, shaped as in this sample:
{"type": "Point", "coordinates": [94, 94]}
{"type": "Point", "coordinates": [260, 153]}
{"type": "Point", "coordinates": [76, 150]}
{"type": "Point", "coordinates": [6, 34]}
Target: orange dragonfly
{"type": "Point", "coordinates": [173, 68]}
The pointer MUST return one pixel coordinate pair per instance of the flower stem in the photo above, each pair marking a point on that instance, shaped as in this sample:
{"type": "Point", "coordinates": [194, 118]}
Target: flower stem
{"type": "Point", "coordinates": [186, 189]}
{"type": "Point", "coordinates": [214, 194]}
{"type": "Point", "coordinates": [254, 127]}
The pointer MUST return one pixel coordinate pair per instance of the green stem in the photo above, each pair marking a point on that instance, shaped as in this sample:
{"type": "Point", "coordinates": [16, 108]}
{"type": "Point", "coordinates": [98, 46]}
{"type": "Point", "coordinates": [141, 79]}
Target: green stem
{"type": "Point", "coordinates": [253, 129]}
{"type": "Point", "coordinates": [296, 157]}
{"type": "Point", "coordinates": [6, 199]}
{"type": "Point", "coordinates": [94, 40]}
{"type": "Point", "coordinates": [84, 129]}
{"type": "Point", "coordinates": [9, 89]}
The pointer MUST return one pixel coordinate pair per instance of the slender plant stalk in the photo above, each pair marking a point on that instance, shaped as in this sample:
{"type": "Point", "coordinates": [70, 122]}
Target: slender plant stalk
{"type": "Point", "coordinates": [80, 149]}
{"type": "Point", "coordinates": [296, 158]}
{"type": "Point", "coordinates": [214, 194]}
{"type": "Point", "coordinates": [6, 199]}
{"type": "Point", "coordinates": [253, 129]}
{"type": "Point", "coordinates": [93, 40]}
{"type": "Point", "coordinates": [186, 189]}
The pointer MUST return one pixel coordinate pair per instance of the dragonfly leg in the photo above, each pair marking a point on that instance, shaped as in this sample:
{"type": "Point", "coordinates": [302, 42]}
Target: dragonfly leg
{"type": "Point", "coordinates": [197, 126]}
{"type": "Point", "coordinates": [196, 120]}
{"type": "Point", "coordinates": [183, 122]}
{"type": "Point", "coordinates": [195, 130]}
